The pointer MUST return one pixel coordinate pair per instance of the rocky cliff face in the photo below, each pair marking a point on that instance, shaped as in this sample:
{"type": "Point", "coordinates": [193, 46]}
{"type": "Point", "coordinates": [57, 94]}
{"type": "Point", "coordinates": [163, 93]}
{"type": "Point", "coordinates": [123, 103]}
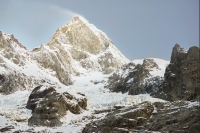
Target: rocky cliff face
{"type": "Point", "coordinates": [12, 49]}
{"type": "Point", "coordinates": [13, 59]}
{"type": "Point", "coordinates": [136, 78]}
{"type": "Point", "coordinates": [182, 79]}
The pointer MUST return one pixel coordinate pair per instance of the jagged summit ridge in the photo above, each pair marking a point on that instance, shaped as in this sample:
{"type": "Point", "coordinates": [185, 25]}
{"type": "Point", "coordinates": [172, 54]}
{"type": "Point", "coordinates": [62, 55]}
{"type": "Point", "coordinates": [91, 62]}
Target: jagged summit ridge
{"type": "Point", "coordinates": [12, 49]}
{"type": "Point", "coordinates": [79, 47]}
{"type": "Point", "coordinates": [76, 48]}
{"type": "Point", "coordinates": [82, 35]}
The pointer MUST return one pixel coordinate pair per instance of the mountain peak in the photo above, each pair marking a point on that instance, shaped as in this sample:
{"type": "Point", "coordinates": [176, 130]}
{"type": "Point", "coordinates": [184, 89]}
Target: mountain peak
{"type": "Point", "coordinates": [79, 18]}
{"type": "Point", "coordinates": [82, 35]}
{"type": "Point", "coordinates": [79, 47]}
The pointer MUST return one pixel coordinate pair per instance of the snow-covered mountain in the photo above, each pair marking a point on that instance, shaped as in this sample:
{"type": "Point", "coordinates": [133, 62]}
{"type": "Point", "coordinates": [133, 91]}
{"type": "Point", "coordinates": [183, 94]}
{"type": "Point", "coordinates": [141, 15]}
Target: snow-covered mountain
{"type": "Point", "coordinates": [80, 77]}
{"type": "Point", "coordinates": [78, 47]}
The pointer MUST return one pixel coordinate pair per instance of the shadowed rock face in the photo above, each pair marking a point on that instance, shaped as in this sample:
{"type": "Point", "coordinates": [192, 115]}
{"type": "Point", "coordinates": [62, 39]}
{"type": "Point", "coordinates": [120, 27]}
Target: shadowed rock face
{"type": "Point", "coordinates": [15, 81]}
{"type": "Point", "coordinates": [131, 78]}
{"type": "Point", "coordinates": [182, 78]}
{"type": "Point", "coordinates": [179, 116]}
{"type": "Point", "coordinates": [48, 106]}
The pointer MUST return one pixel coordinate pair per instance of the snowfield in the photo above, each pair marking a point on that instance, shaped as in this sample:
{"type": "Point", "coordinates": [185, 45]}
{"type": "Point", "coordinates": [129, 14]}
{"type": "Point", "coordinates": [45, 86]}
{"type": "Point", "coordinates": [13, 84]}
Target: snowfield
{"type": "Point", "coordinates": [91, 84]}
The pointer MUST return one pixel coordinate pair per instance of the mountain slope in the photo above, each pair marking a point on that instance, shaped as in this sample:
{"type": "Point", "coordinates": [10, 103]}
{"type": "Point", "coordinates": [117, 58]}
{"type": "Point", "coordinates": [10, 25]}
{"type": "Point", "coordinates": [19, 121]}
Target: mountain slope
{"type": "Point", "coordinates": [138, 77]}
{"type": "Point", "coordinates": [63, 84]}
{"type": "Point", "coordinates": [60, 59]}
{"type": "Point", "coordinates": [78, 47]}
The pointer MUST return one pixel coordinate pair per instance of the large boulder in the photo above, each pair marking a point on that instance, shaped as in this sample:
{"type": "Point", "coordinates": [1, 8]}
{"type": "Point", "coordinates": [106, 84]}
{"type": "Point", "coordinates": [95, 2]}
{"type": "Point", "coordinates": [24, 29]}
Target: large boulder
{"type": "Point", "coordinates": [48, 106]}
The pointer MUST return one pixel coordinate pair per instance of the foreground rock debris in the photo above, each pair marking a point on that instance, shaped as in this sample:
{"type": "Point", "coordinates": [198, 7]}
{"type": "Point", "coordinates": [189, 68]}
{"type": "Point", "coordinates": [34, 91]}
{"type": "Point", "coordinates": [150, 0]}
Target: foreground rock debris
{"type": "Point", "coordinates": [179, 116]}
{"type": "Point", "coordinates": [48, 106]}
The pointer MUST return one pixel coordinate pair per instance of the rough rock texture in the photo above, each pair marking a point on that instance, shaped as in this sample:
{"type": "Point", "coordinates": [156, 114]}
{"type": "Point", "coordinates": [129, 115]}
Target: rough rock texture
{"type": "Point", "coordinates": [82, 35]}
{"type": "Point", "coordinates": [7, 129]}
{"type": "Point", "coordinates": [56, 59]}
{"type": "Point", "coordinates": [121, 120]}
{"type": "Point", "coordinates": [13, 58]}
{"type": "Point", "coordinates": [12, 49]}
{"type": "Point", "coordinates": [178, 116]}
{"type": "Point", "coordinates": [175, 117]}
{"type": "Point", "coordinates": [48, 106]}
{"type": "Point", "coordinates": [182, 77]}
{"type": "Point", "coordinates": [135, 79]}
{"type": "Point", "coordinates": [12, 79]}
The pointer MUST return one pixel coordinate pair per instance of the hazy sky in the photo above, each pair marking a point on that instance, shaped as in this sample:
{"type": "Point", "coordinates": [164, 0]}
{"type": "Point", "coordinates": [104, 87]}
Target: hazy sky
{"type": "Point", "coordinates": [138, 28]}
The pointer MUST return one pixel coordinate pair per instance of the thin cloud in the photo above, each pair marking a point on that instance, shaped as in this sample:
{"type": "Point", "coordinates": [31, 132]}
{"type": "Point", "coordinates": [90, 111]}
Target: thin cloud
{"type": "Point", "coordinates": [63, 11]}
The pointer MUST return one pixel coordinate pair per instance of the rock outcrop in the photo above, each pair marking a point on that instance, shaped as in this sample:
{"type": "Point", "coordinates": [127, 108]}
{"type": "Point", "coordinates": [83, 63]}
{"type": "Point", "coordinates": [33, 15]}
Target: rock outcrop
{"type": "Point", "coordinates": [135, 78]}
{"type": "Point", "coordinates": [121, 120]}
{"type": "Point", "coordinates": [13, 50]}
{"type": "Point", "coordinates": [172, 117]}
{"type": "Point", "coordinates": [178, 116]}
{"type": "Point", "coordinates": [13, 57]}
{"type": "Point", "coordinates": [182, 77]}
{"type": "Point", "coordinates": [48, 106]}
{"type": "Point", "coordinates": [12, 81]}
{"type": "Point", "coordinates": [180, 81]}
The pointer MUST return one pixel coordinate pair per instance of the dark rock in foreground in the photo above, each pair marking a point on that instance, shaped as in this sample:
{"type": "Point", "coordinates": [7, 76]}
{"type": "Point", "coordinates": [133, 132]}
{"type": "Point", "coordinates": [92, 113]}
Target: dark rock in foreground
{"type": "Point", "coordinates": [175, 117]}
{"type": "Point", "coordinates": [48, 106]}
{"type": "Point", "coordinates": [121, 120]}
{"type": "Point", "coordinates": [7, 129]}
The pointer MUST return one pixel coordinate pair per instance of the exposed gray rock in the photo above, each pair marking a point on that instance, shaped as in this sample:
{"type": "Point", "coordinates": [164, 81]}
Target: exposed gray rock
{"type": "Point", "coordinates": [178, 116]}
{"type": "Point", "coordinates": [135, 79]}
{"type": "Point", "coordinates": [12, 49]}
{"type": "Point", "coordinates": [182, 78]}
{"type": "Point", "coordinates": [48, 106]}
{"type": "Point", "coordinates": [12, 80]}
{"type": "Point", "coordinates": [122, 120]}
{"type": "Point", "coordinates": [174, 117]}
{"type": "Point", "coordinates": [7, 128]}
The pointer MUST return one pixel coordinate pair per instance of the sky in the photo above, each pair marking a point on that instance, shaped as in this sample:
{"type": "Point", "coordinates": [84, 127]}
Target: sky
{"type": "Point", "coordinates": [138, 28]}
